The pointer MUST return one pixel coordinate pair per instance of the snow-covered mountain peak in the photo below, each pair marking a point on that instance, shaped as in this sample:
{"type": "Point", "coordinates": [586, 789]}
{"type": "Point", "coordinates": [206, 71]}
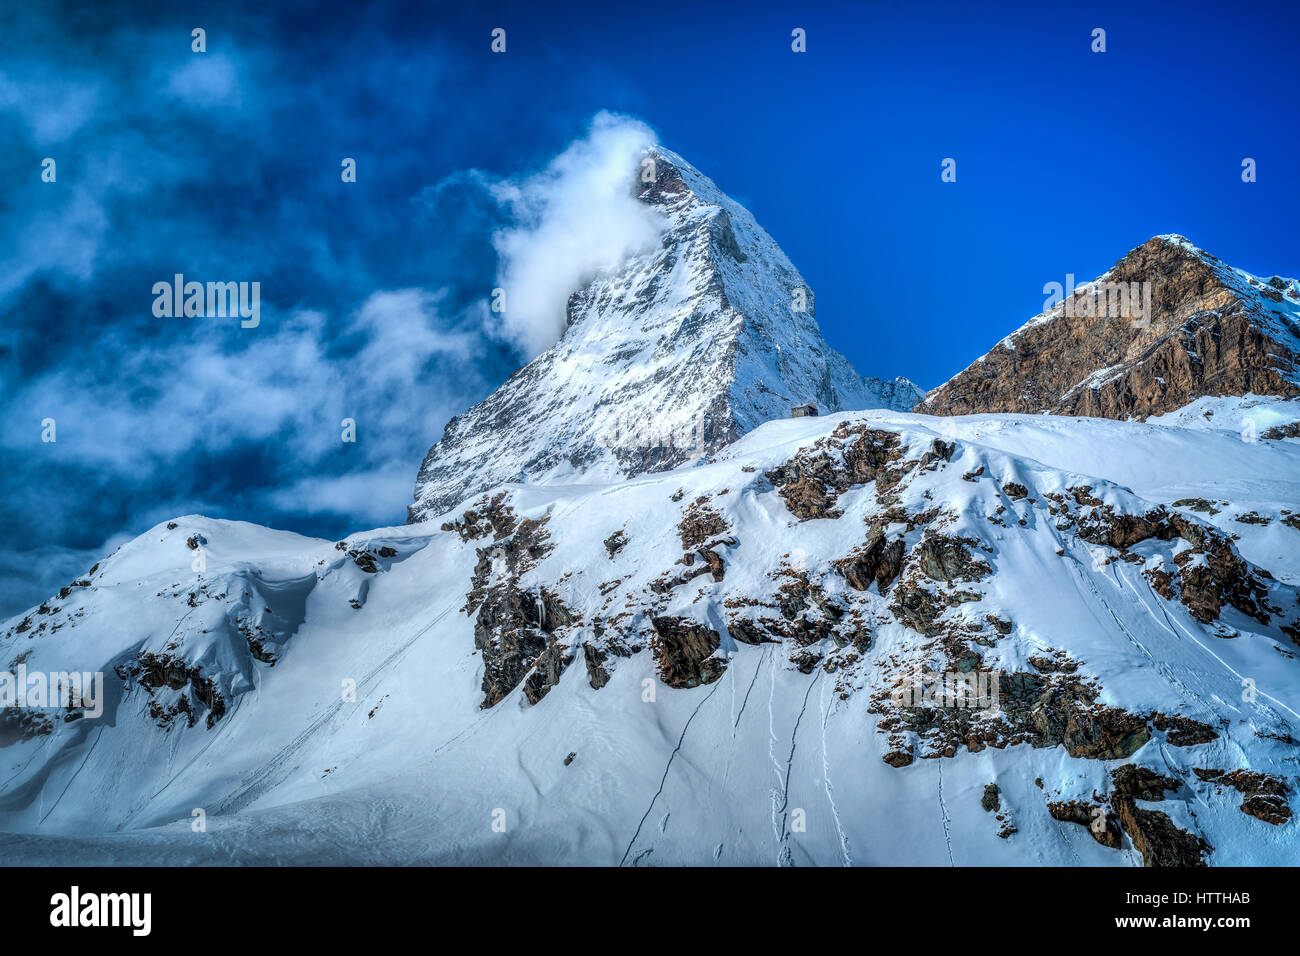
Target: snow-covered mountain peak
{"type": "Point", "coordinates": [666, 359]}
{"type": "Point", "coordinates": [1174, 239]}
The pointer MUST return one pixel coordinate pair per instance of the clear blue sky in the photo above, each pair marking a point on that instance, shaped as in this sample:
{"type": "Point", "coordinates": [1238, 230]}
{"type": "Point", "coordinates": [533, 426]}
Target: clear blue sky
{"type": "Point", "coordinates": [227, 168]}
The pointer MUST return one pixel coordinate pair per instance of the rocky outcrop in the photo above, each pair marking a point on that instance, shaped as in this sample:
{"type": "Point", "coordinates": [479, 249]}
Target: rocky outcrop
{"type": "Point", "coordinates": [1207, 576]}
{"type": "Point", "coordinates": [1210, 331]}
{"type": "Point", "coordinates": [812, 481]}
{"type": "Point", "coordinates": [700, 523]}
{"type": "Point", "coordinates": [519, 634]}
{"type": "Point", "coordinates": [493, 518]}
{"type": "Point", "coordinates": [1103, 825]}
{"type": "Point", "coordinates": [19, 723]}
{"type": "Point", "coordinates": [1142, 783]}
{"type": "Point", "coordinates": [520, 631]}
{"type": "Point", "coordinates": [594, 658]}
{"type": "Point", "coordinates": [1265, 795]}
{"type": "Point", "coordinates": [947, 559]}
{"type": "Point", "coordinates": [990, 800]}
{"type": "Point", "coordinates": [878, 560]}
{"type": "Point", "coordinates": [684, 651]}
{"type": "Point", "coordinates": [155, 671]}
{"type": "Point", "coordinates": [1026, 708]}
{"type": "Point", "coordinates": [1152, 833]}
{"type": "Point", "coordinates": [1155, 836]}
{"type": "Point", "coordinates": [615, 543]}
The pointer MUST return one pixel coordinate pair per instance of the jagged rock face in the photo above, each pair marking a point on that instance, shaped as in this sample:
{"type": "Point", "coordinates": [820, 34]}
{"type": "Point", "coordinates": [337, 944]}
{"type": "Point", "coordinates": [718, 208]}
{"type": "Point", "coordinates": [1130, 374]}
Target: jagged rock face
{"type": "Point", "coordinates": [1155, 836]}
{"type": "Point", "coordinates": [1211, 330]}
{"type": "Point", "coordinates": [678, 353]}
{"type": "Point", "coordinates": [685, 652]}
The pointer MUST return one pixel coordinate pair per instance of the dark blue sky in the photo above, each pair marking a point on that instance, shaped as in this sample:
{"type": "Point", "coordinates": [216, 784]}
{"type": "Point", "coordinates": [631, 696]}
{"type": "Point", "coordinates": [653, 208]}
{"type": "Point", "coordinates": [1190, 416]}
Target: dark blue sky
{"type": "Point", "coordinates": [225, 166]}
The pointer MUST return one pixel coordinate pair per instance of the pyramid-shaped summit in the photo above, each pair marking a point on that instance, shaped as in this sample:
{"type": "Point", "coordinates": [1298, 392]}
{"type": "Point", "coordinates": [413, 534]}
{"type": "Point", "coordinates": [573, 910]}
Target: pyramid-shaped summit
{"type": "Point", "coordinates": [675, 354]}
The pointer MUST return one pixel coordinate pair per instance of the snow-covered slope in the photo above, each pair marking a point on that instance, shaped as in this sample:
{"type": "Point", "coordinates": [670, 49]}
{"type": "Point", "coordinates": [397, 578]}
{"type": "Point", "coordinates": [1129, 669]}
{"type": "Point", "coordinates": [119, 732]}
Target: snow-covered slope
{"type": "Point", "coordinates": [678, 352]}
{"type": "Point", "coordinates": [714, 664]}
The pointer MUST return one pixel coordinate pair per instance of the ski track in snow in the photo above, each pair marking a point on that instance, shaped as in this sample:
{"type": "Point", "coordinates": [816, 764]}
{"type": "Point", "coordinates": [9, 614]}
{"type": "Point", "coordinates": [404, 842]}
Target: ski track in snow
{"type": "Point", "coordinates": [785, 856]}
{"type": "Point", "coordinates": [758, 666]}
{"type": "Point", "coordinates": [752, 681]}
{"type": "Point", "coordinates": [1175, 628]}
{"type": "Point", "coordinates": [260, 781]}
{"type": "Point", "coordinates": [1066, 839]}
{"type": "Point", "coordinates": [80, 767]}
{"type": "Point", "coordinates": [826, 780]}
{"type": "Point", "coordinates": [943, 812]}
{"type": "Point", "coordinates": [1160, 665]}
{"type": "Point", "coordinates": [771, 746]}
{"type": "Point", "coordinates": [664, 779]}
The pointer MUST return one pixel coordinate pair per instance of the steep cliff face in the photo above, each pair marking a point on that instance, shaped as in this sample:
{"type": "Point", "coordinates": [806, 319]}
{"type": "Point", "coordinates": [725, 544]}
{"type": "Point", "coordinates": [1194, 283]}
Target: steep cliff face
{"type": "Point", "coordinates": [676, 354]}
{"type": "Point", "coordinates": [1108, 351]}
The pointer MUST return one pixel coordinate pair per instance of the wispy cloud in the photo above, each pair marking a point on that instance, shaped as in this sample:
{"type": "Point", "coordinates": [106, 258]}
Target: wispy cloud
{"type": "Point", "coordinates": [575, 219]}
{"type": "Point", "coordinates": [224, 166]}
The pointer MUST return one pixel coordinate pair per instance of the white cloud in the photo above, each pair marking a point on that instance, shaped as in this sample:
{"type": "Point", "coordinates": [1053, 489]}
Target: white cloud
{"type": "Point", "coordinates": [227, 386]}
{"type": "Point", "coordinates": [67, 240]}
{"type": "Point", "coordinates": [206, 79]}
{"type": "Point", "coordinates": [574, 220]}
{"type": "Point", "coordinates": [375, 497]}
{"type": "Point", "coordinates": [402, 333]}
{"type": "Point", "coordinates": [54, 108]}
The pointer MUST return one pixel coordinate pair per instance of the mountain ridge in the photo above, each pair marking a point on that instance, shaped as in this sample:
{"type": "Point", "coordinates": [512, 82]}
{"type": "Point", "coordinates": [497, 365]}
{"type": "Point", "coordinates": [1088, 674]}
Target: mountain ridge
{"type": "Point", "coordinates": [1204, 328]}
{"type": "Point", "coordinates": [763, 631]}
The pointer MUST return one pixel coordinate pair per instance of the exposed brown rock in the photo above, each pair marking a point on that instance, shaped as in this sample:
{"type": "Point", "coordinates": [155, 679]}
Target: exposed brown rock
{"type": "Point", "coordinates": [615, 542]}
{"type": "Point", "coordinates": [1183, 731]}
{"type": "Point", "coordinates": [1205, 577]}
{"type": "Point", "coordinates": [878, 560]}
{"type": "Point", "coordinates": [1274, 810]}
{"type": "Point", "coordinates": [1142, 782]}
{"type": "Point", "coordinates": [1207, 335]}
{"type": "Point", "coordinates": [700, 523]}
{"type": "Point", "coordinates": [684, 652]}
{"type": "Point", "coordinates": [153, 671]}
{"type": "Point", "coordinates": [898, 758]}
{"type": "Point", "coordinates": [948, 559]}
{"type": "Point", "coordinates": [807, 616]}
{"type": "Point", "coordinates": [812, 481]}
{"type": "Point", "coordinates": [1014, 490]}
{"type": "Point", "coordinates": [1279, 432]}
{"type": "Point", "coordinates": [990, 800]}
{"type": "Point", "coordinates": [1103, 826]}
{"type": "Point", "coordinates": [494, 517]}
{"type": "Point", "coordinates": [1031, 709]}
{"type": "Point", "coordinates": [20, 723]}
{"type": "Point", "coordinates": [547, 668]}
{"type": "Point", "coordinates": [595, 659]}
{"type": "Point", "coordinates": [517, 632]}
{"type": "Point", "coordinates": [1155, 836]}
{"type": "Point", "coordinates": [1265, 795]}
